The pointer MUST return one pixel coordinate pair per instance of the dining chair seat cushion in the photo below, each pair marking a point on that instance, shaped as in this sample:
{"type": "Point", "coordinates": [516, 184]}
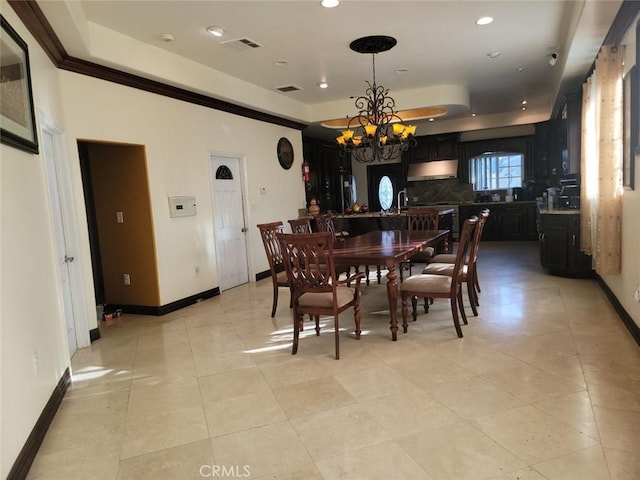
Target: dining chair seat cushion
{"type": "Point", "coordinates": [444, 269]}
{"type": "Point", "coordinates": [444, 258]}
{"type": "Point", "coordinates": [425, 256]}
{"type": "Point", "coordinates": [427, 283]}
{"type": "Point", "coordinates": [344, 295]}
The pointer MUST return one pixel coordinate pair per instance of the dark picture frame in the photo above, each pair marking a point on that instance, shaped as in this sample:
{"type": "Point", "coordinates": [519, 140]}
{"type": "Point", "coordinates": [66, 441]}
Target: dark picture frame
{"type": "Point", "coordinates": [630, 127]}
{"type": "Point", "coordinates": [17, 117]}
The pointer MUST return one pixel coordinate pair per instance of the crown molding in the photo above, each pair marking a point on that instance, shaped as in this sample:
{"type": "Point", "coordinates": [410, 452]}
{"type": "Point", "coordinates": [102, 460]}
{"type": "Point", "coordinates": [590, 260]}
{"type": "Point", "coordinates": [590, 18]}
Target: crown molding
{"type": "Point", "coordinates": [35, 21]}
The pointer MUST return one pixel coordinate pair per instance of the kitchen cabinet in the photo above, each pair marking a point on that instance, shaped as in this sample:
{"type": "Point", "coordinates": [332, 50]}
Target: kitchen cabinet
{"type": "Point", "coordinates": [434, 147]}
{"type": "Point", "coordinates": [560, 245]}
{"type": "Point", "coordinates": [326, 167]}
{"type": "Point", "coordinates": [507, 220]}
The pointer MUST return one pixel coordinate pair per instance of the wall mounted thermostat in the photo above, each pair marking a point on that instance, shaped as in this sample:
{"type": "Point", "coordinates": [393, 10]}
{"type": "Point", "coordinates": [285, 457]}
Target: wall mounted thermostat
{"type": "Point", "coordinates": [182, 206]}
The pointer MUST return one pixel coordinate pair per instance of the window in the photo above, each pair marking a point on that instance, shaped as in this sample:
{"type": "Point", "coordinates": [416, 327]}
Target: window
{"type": "Point", "coordinates": [495, 170]}
{"type": "Point", "coordinates": [223, 173]}
{"type": "Point", "coordinates": [385, 193]}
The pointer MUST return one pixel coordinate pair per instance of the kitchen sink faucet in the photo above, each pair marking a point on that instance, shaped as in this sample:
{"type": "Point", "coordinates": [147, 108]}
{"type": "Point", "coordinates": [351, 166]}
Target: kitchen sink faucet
{"type": "Point", "coordinates": [402, 193]}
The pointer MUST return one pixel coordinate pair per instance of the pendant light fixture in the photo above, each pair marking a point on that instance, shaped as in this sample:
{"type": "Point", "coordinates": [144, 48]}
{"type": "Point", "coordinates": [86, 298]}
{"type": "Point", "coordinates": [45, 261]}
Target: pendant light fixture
{"type": "Point", "coordinates": [376, 133]}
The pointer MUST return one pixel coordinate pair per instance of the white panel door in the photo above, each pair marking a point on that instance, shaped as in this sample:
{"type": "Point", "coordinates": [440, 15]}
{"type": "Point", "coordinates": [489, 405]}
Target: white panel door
{"type": "Point", "coordinates": [63, 257]}
{"type": "Point", "coordinates": [228, 219]}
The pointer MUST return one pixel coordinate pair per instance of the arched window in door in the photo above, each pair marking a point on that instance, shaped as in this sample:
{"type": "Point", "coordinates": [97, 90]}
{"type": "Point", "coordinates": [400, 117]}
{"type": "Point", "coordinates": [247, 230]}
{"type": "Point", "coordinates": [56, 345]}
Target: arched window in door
{"type": "Point", "coordinates": [223, 173]}
{"type": "Point", "coordinates": [385, 193]}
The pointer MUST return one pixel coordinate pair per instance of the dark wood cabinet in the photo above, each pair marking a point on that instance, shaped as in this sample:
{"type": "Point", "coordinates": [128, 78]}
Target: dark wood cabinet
{"type": "Point", "coordinates": [326, 167]}
{"type": "Point", "coordinates": [560, 245]}
{"type": "Point", "coordinates": [434, 147]}
{"type": "Point", "coordinates": [507, 221]}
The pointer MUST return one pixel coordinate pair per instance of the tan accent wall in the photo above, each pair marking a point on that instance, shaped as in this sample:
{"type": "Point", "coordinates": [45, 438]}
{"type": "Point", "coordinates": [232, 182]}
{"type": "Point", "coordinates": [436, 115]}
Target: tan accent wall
{"type": "Point", "coordinates": [120, 184]}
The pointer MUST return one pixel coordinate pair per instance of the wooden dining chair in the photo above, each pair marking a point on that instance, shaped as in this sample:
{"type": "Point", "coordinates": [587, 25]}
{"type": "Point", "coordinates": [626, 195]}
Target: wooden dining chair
{"type": "Point", "coordinates": [300, 225]}
{"type": "Point", "coordinates": [421, 218]}
{"type": "Point", "coordinates": [315, 290]}
{"type": "Point", "coordinates": [440, 286]}
{"type": "Point", "coordinates": [268, 232]}
{"type": "Point", "coordinates": [325, 223]}
{"type": "Point", "coordinates": [442, 263]}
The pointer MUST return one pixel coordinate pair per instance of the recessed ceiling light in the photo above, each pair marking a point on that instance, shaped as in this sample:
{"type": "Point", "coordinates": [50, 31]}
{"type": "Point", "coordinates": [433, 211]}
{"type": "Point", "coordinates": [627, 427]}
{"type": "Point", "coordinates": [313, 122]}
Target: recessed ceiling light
{"type": "Point", "coordinates": [323, 84]}
{"type": "Point", "coordinates": [524, 102]}
{"type": "Point", "coordinates": [524, 108]}
{"type": "Point", "coordinates": [402, 70]}
{"type": "Point", "coordinates": [432, 119]}
{"type": "Point", "coordinates": [166, 37]}
{"type": "Point", "coordinates": [521, 69]}
{"type": "Point", "coordinates": [484, 21]}
{"type": "Point", "coordinates": [473, 114]}
{"type": "Point", "coordinates": [330, 3]}
{"type": "Point", "coordinates": [280, 63]}
{"type": "Point", "coordinates": [493, 54]}
{"type": "Point", "coordinates": [215, 31]}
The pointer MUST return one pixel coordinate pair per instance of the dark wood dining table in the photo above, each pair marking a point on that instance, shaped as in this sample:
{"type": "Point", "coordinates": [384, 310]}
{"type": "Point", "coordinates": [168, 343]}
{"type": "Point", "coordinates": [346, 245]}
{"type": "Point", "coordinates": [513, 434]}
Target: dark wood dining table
{"type": "Point", "coordinates": [388, 248]}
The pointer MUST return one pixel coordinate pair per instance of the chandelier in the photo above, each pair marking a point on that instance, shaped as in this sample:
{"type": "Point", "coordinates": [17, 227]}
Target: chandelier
{"type": "Point", "coordinates": [376, 133]}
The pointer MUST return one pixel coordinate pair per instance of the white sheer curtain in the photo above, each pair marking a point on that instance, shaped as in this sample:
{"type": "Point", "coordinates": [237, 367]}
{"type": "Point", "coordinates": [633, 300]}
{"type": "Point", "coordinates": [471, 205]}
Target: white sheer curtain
{"type": "Point", "coordinates": [601, 162]}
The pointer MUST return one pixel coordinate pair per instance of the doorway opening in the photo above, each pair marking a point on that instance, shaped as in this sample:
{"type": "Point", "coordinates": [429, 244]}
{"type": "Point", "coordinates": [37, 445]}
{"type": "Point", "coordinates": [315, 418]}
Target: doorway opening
{"type": "Point", "coordinates": [118, 208]}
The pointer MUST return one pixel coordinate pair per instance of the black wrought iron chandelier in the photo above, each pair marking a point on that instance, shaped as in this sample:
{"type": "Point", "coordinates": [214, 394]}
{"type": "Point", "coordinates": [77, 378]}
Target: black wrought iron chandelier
{"type": "Point", "coordinates": [377, 133]}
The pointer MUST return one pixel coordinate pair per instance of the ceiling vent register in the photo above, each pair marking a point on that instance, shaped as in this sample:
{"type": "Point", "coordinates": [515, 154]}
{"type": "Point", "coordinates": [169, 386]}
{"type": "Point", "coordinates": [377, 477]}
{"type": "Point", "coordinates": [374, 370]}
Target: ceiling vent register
{"type": "Point", "coordinates": [240, 44]}
{"type": "Point", "coordinates": [288, 88]}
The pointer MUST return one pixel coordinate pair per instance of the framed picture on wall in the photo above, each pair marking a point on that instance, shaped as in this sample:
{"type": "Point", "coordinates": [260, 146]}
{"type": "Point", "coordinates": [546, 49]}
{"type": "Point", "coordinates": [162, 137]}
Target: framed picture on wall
{"type": "Point", "coordinates": [630, 127]}
{"type": "Point", "coordinates": [17, 119]}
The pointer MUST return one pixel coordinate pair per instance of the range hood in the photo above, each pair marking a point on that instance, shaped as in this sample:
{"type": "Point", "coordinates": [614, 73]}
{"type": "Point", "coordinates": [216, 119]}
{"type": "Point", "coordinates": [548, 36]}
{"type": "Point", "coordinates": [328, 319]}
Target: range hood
{"type": "Point", "coordinates": [434, 170]}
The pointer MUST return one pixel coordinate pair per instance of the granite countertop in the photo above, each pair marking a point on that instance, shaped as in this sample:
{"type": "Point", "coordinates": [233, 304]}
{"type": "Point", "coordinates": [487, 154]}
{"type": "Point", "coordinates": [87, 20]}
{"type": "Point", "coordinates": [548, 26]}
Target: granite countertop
{"type": "Point", "coordinates": [568, 211]}
{"type": "Point", "coordinates": [502, 202]}
{"type": "Point", "coordinates": [403, 213]}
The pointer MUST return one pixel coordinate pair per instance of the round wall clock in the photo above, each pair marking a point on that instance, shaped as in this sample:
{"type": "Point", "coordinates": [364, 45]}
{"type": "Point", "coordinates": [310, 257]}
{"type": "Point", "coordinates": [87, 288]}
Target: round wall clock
{"type": "Point", "coordinates": [285, 153]}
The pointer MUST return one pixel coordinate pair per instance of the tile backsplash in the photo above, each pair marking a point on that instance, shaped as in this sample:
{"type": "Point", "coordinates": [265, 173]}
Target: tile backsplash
{"type": "Point", "coordinates": [449, 190]}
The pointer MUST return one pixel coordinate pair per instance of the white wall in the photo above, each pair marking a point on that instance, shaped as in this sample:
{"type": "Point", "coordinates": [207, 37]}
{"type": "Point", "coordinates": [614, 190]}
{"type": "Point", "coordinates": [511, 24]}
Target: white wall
{"type": "Point", "coordinates": [625, 284]}
{"type": "Point", "coordinates": [179, 138]}
{"type": "Point", "coordinates": [31, 322]}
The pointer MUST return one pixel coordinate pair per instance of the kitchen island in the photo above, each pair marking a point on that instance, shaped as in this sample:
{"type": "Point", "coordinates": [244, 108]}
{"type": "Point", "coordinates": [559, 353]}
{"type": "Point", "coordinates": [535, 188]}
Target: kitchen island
{"type": "Point", "coordinates": [360, 223]}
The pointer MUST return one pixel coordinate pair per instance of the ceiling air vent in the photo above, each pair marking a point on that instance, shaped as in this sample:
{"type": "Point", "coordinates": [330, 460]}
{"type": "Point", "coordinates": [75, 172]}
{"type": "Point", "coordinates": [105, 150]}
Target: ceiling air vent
{"type": "Point", "coordinates": [288, 88]}
{"type": "Point", "coordinates": [240, 44]}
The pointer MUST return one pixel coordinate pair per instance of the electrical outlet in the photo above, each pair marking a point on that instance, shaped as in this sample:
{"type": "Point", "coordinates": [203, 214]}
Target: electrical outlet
{"type": "Point", "coordinates": [119, 217]}
{"type": "Point", "coordinates": [127, 279]}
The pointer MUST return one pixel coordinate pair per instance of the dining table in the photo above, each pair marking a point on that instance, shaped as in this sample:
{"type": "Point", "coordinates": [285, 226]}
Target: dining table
{"type": "Point", "coordinates": [388, 248]}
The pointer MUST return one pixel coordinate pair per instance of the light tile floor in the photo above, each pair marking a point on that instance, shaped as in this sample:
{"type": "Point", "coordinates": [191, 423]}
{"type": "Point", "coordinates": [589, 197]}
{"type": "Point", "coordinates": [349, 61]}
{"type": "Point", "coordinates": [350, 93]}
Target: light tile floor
{"type": "Point", "coordinates": [544, 385]}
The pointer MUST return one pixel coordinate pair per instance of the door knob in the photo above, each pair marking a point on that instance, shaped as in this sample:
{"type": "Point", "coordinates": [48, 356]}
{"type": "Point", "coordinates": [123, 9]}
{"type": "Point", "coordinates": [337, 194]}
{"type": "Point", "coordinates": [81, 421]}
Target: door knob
{"type": "Point", "coordinates": [244, 229]}
{"type": "Point", "coordinates": [68, 259]}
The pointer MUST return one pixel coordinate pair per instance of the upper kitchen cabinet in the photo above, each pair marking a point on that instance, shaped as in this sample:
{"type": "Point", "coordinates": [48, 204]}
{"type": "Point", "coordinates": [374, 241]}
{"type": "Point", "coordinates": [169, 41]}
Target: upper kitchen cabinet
{"type": "Point", "coordinates": [557, 144]}
{"type": "Point", "coordinates": [573, 113]}
{"type": "Point", "coordinates": [434, 147]}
